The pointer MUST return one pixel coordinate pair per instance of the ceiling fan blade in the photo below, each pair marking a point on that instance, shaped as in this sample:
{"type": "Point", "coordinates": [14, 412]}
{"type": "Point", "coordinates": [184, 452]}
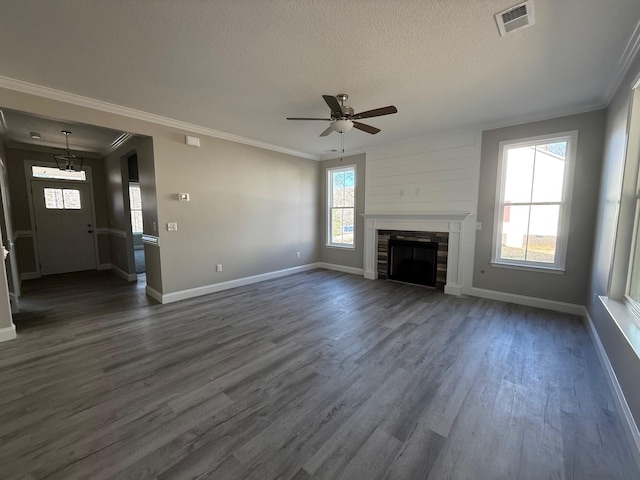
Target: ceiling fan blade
{"type": "Point", "coordinates": [378, 112]}
{"type": "Point", "coordinates": [365, 128]}
{"type": "Point", "coordinates": [305, 118]}
{"type": "Point", "coordinates": [334, 105]}
{"type": "Point", "coordinates": [326, 132]}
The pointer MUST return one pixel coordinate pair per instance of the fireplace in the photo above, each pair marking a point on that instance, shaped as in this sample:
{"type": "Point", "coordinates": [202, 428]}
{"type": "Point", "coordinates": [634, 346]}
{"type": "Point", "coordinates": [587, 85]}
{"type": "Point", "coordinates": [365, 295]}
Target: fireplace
{"type": "Point", "coordinates": [413, 262]}
{"type": "Point", "coordinates": [449, 274]}
{"type": "Point", "coordinates": [438, 241]}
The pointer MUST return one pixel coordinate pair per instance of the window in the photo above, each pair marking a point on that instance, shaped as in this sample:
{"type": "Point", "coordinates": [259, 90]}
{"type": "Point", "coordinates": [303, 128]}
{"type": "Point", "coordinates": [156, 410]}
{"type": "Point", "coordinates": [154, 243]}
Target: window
{"type": "Point", "coordinates": [55, 173]}
{"type": "Point", "coordinates": [630, 208]}
{"type": "Point", "coordinates": [135, 205]}
{"type": "Point", "coordinates": [62, 199]}
{"type": "Point", "coordinates": [342, 206]}
{"type": "Point", "coordinates": [532, 214]}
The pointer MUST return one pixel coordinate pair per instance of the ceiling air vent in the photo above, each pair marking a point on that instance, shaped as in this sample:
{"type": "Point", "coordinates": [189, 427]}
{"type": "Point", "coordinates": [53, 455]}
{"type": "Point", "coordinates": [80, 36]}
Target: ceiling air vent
{"type": "Point", "coordinates": [515, 18]}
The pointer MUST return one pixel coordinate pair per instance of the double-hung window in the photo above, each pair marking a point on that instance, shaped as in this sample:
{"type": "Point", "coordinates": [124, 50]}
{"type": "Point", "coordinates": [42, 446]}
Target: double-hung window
{"type": "Point", "coordinates": [341, 196]}
{"type": "Point", "coordinates": [533, 201]}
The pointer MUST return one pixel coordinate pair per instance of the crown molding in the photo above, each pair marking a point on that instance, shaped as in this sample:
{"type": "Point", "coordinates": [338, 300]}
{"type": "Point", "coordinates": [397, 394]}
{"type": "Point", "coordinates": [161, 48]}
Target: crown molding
{"type": "Point", "coordinates": [624, 63]}
{"type": "Point", "coordinates": [66, 97]}
{"type": "Point", "coordinates": [117, 143]}
{"type": "Point", "coordinates": [4, 131]}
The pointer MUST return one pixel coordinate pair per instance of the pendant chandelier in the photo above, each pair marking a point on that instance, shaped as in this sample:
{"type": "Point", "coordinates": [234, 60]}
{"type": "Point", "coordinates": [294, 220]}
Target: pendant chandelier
{"type": "Point", "coordinates": [66, 160]}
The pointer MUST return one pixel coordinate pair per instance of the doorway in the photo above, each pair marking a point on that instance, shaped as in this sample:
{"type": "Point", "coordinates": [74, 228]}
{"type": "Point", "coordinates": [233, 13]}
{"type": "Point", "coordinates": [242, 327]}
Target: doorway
{"type": "Point", "coordinates": [62, 211]}
{"type": "Point", "coordinates": [64, 227]}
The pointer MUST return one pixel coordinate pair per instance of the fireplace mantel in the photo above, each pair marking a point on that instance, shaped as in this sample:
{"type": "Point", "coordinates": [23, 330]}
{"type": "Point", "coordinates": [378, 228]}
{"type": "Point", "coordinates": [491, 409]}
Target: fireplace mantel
{"type": "Point", "coordinates": [450, 222]}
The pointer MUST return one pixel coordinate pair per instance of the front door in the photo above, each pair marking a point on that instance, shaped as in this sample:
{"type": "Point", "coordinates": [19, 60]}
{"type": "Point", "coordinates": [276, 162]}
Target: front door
{"type": "Point", "coordinates": [64, 226]}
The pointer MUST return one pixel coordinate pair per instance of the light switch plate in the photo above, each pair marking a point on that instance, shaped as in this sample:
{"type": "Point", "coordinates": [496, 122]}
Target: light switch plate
{"type": "Point", "coordinates": [184, 197]}
{"type": "Point", "coordinates": [172, 227]}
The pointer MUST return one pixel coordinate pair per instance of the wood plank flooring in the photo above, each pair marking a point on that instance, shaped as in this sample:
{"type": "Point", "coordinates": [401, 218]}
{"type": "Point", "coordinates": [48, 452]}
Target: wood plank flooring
{"type": "Point", "coordinates": [318, 375]}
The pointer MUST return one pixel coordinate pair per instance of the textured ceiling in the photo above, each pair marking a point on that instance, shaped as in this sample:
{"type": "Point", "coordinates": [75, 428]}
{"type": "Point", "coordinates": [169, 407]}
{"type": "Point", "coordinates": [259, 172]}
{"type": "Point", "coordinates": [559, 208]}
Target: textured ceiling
{"type": "Point", "coordinates": [243, 66]}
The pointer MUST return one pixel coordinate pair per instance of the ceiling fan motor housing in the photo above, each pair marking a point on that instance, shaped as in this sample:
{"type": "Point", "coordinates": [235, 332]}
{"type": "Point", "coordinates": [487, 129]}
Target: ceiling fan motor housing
{"type": "Point", "coordinates": [347, 111]}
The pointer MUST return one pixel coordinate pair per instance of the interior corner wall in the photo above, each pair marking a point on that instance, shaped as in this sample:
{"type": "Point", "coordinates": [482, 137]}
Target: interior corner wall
{"type": "Point", "coordinates": [117, 181]}
{"type": "Point", "coordinates": [8, 236]}
{"type": "Point", "coordinates": [624, 360]}
{"type": "Point", "coordinates": [6, 320]}
{"type": "Point", "coordinates": [345, 257]}
{"type": "Point", "coordinates": [571, 286]}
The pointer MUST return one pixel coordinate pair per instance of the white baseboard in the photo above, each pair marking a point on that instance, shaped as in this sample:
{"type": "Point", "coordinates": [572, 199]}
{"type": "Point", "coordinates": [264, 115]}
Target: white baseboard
{"type": "Point", "coordinates": [153, 293]}
{"type": "Point", "coordinates": [129, 277]}
{"type": "Point", "coordinates": [29, 276]}
{"type": "Point", "coordinates": [105, 266]}
{"type": "Point", "coordinates": [453, 290]}
{"type": "Point", "coordinates": [370, 275]}
{"type": "Point", "coordinates": [618, 395]}
{"type": "Point", "coordinates": [218, 287]}
{"type": "Point", "coordinates": [8, 333]}
{"type": "Point", "coordinates": [528, 301]}
{"type": "Point", "coordinates": [342, 268]}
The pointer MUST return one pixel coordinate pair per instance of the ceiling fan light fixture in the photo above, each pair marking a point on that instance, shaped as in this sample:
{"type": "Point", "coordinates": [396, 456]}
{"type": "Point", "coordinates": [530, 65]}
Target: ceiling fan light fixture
{"type": "Point", "coordinates": [342, 126]}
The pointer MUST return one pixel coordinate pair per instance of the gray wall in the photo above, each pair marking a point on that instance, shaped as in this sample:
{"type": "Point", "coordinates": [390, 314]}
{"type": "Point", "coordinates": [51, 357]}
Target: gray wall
{"type": "Point", "coordinates": [5, 309]}
{"type": "Point", "coordinates": [20, 203]}
{"type": "Point", "coordinates": [572, 286]}
{"type": "Point", "coordinates": [251, 210]}
{"type": "Point", "coordinates": [624, 360]}
{"type": "Point", "coordinates": [117, 187]}
{"type": "Point", "coordinates": [339, 256]}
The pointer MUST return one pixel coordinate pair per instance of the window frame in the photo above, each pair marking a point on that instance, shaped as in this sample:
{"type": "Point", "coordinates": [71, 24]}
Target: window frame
{"type": "Point", "coordinates": [330, 172]}
{"type": "Point", "coordinates": [131, 210]}
{"type": "Point", "coordinates": [632, 149]}
{"type": "Point", "coordinates": [67, 177]}
{"type": "Point", "coordinates": [564, 216]}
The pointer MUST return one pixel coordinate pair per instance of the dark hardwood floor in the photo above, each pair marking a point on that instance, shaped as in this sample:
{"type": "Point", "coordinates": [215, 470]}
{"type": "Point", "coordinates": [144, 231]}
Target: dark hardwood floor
{"type": "Point", "coordinates": [317, 375]}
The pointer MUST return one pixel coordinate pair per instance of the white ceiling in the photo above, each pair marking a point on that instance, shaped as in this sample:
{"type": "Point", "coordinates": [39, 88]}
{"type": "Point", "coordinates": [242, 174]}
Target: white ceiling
{"type": "Point", "coordinates": [243, 66]}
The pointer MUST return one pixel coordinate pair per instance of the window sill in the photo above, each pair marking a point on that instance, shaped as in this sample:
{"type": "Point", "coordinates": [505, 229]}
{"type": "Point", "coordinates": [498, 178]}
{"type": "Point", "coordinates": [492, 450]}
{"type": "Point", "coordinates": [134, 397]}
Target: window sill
{"type": "Point", "coordinates": [529, 268]}
{"type": "Point", "coordinates": [341, 247]}
{"type": "Point", "coordinates": [625, 319]}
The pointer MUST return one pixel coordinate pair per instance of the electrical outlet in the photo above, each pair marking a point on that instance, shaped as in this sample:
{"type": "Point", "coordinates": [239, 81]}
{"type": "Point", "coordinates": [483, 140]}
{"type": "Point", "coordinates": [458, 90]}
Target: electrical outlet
{"type": "Point", "coordinates": [219, 267]}
{"type": "Point", "coordinates": [298, 254]}
{"type": "Point", "coordinates": [478, 225]}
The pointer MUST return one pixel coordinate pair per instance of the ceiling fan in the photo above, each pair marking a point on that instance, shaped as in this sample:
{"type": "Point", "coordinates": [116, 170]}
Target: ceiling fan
{"type": "Point", "coordinates": [343, 119]}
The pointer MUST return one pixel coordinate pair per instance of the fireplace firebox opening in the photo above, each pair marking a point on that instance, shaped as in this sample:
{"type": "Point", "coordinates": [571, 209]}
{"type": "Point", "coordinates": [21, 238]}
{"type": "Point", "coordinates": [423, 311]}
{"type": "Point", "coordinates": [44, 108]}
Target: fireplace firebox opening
{"type": "Point", "coordinates": [413, 262]}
